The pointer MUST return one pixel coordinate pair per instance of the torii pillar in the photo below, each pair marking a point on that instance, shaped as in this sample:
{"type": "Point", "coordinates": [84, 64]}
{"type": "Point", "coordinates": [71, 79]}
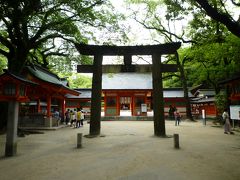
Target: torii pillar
{"type": "Point", "coordinates": [158, 100]}
{"type": "Point", "coordinates": [95, 118]}
{"type": "Point", "coordinates": [157, 68]}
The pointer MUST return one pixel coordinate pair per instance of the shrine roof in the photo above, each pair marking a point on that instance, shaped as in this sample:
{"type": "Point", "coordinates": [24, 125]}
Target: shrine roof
{"type": "Point", "coordinates": [203, 100]}
{"type": "Point", "coordinates": [45, 75]}
{"type": "Point", "coordinates": [17, 77]}
{"type": "Point", "coordinates": [235, 77]}
{"type": "Point", "coordinates": [205, 92]}
{"type": "Point", "coordinates": [127, 81]}
{"type": "Point", "coordinates": [49, 77]}
{"type": "Point", "coordinates": [84, 94]}
{"type": "Point", "coordinates": [136, 81]}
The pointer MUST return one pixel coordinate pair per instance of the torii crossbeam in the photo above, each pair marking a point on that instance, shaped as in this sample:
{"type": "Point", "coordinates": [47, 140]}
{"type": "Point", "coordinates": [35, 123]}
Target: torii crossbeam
{"type": "Point", "coordinates": [157, 68]}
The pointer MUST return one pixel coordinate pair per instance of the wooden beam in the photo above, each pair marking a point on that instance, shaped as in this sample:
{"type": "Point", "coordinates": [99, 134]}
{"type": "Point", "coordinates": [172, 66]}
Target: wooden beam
{"type": "Point", "coordinates": [168, 48]}
{"type": "Point", "coordinates": [126, 68]}
{"type": "Point", "coordinates": [85, 68]}
{"type": "Point", "coordinates": [127, 59]}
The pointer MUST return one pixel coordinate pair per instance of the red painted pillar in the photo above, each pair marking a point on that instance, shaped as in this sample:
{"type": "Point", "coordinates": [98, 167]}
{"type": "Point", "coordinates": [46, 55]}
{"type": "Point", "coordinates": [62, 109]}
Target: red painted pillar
{"type": "Point", "coordinates": [133, 104]}
{"type": "Point", "coordinates": [63, 102]}
{"type": "Point", "coordinates": [105, 103]}
{"type": "Point", "coordinates": [49, 106]}
{"type": "Point", "coordinates": [38, 106]}
{"type": "Point", "coordinates": [118, 105]}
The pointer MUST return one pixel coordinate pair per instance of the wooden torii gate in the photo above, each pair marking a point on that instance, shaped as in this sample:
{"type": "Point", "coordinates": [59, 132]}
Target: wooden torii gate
{"type": "Point", "coordinates": [157, 68]}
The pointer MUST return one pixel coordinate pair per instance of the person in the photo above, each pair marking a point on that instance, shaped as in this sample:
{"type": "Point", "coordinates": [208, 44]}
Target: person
{"type": "Point", "coordinates": [226, 120]}
{"type": "Point", "coordinates": [82, 117]}
{"type": "Point", "coordinates": [72, 118]}
{"type": "Point", "coordinates": [79, 113]}
{"type": "Point", "coordinates": [177, 117]}
{"type": "Point", "coordinates": [171, 112]}
{"type": "Point", "coordinates": [67, 116]}
{"type": "Point", "coordinates": [57, 116]}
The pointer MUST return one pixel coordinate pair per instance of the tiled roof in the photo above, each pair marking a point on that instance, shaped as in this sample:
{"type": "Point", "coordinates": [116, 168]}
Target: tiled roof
{"type": "Point", "coordinates": [84, 94]}
{"type": "Point", "coordinates": [20, 78]}
{"type": "Point", "coordinates": [136, 81]}
{"type": "Point", "coordinates": [203, 100]}
{"type": "Point", "coordinates": [167, 93]}
{"type": "Point", "coordinates": [127, 81]}
{"type": "Point", "coordinates": [205, 92]}
{"type": "Point", "coordinates": [45, 75]}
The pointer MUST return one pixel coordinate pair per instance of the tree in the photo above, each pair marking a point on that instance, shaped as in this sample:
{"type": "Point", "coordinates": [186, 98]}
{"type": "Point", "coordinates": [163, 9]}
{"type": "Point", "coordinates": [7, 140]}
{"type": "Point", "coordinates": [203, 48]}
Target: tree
{"type": "Point", "coordinates": [220, 11]}
{"type": "Point", "coordinates": [80, 81]}
{"type": "Point", "coordinates": [3, 64]}
{"type": "Point", "coordinates": [161, 23]}
{"type": "Point", "coordinates": [223, 17]}
{"type": "Point", "coordinates": [29, 28]}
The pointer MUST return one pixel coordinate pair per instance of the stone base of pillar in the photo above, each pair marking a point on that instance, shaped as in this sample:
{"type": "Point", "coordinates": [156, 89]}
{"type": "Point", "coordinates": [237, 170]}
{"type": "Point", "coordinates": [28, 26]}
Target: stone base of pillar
{"type": "Point", "coordinates": [48, 122]}
{"type": "Point", "coordinates": [11, 149]}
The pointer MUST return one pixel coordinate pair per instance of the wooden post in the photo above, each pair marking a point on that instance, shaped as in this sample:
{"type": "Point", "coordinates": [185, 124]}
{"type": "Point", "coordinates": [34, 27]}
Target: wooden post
{"type": "Point", "coordinates": [176, 141]}
{"type": "Point", "coordinates": [158, 101]}
{"type": "Point", "coordinates": [79, 140]}
{"type": "Point", "coordinates": [38, 105]}
{"type": "Point", "coordinates": [49, 106]}
{"type": "Point", "coordinates": [63, 110]}
{"type": "Point", "coordinates": [95, 119]}
{"type": "Point", "coordinates": [105, 104]}
{"type": "Point", "coordinates": [12, 124]}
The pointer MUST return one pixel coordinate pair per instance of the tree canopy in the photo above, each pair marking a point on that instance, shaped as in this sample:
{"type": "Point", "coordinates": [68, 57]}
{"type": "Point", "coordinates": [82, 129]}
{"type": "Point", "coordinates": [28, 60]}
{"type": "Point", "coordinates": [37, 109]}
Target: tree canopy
{"type": "Point", "coordinates": [32, 31]}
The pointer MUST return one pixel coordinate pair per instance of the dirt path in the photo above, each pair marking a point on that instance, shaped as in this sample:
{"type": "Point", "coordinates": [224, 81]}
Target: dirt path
{"type": "Point", "coordinates": [128, 151]}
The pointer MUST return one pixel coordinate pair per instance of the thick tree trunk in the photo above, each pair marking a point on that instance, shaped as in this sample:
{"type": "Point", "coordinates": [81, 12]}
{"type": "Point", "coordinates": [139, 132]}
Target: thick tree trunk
{"type": "Point", "coordinates": [185, 89]}
{"type": "Point", "coordinates": [17, 59]}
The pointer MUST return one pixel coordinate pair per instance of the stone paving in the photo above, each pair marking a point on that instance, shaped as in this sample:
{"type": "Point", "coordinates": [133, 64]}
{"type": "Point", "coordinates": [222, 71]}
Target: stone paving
{"type": "Point", "coordinates": [126, 150]}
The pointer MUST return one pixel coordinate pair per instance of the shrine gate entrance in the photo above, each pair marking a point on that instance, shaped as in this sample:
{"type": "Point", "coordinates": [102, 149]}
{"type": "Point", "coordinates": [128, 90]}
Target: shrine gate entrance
{"type": "Point", "coordinates": [157, 68]}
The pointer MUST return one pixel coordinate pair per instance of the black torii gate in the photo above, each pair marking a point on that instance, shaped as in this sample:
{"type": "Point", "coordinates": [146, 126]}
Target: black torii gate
{"type": "Point", "coordinates": [156, 51]}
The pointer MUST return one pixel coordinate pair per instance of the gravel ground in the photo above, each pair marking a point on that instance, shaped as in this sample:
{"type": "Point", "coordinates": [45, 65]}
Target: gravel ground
{"type": "Point", "coordinates": [127, 150]}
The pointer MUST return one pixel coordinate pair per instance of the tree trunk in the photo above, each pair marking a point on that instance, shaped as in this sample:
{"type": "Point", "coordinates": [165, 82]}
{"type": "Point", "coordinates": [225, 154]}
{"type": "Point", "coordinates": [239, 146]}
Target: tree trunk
{"type": "Point", "coordinates": [185, 89]}
{"type": "Point", "coordinates": [17, 60]}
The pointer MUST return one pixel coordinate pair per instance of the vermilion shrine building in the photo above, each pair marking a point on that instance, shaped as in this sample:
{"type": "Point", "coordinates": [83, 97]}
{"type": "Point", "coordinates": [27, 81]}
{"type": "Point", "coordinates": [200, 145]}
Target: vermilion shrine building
{"type": "Point", "coordinates": [128, 94]}
{"type": "Point", "coordinates": [40, 93]}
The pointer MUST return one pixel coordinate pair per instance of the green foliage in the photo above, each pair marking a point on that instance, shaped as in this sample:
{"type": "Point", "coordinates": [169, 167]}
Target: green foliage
{"type": "Point", "coordinates": [80, 81]}
{"type": "Point", "coordinates": [3, 64]}
{"type": "Point", "coordinates": [33, 31]}
{"type": "Point", "coordinates": [76, 80]}
{"type": "Point", "coordinates": [221, 101]}
{"type": "Point", "coordinates": [213, 62]}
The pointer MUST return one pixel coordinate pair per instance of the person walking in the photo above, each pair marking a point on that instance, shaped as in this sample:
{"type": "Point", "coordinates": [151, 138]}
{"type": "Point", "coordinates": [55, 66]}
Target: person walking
{"type": "Point", "coordinates": [171, 112]}
{"type": "Point", "coordinates": [57, 117]}
{"type": "Point", "coordinates": [78, 123]}
{"type": "Point", "coordinates": [82, 117]}
{"type": "Point", "coordinates": [67, 116]}
{"type": "Point", "coordinates": [227, 124]}
{"type": "Point", "coordinates": [177, 117]}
